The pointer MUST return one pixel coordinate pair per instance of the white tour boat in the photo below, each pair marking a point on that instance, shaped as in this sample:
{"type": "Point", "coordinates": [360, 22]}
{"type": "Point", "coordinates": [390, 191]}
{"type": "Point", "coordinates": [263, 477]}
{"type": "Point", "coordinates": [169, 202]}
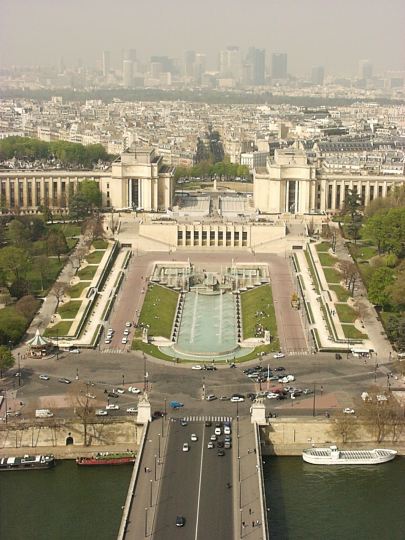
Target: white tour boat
{"type": "Point", "coordinates": [334, 456]}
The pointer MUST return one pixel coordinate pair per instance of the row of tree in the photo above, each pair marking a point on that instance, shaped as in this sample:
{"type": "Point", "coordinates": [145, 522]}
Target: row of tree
{"type": "Point", "coordinates": [221, 169]}
{"type": "Point", "coordinates": [66, 153]}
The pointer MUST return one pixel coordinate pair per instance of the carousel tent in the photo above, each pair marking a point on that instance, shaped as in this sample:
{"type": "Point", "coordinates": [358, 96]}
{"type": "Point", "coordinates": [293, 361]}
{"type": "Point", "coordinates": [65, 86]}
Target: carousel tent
{"type": "Point", "coordinates": [38, 343]}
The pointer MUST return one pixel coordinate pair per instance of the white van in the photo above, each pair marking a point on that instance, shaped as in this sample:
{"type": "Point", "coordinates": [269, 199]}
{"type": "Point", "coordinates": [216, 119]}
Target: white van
{"type": "Point", "coordinates": [360, 353]}
{"type": "Point", "coordinates": [43, 413]}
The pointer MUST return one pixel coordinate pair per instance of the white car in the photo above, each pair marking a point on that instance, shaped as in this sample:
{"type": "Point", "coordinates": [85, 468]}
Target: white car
{"type": "Point", "coordinates": [237, 399]}
{"type": "Point", "coordinates": [101, 412]}
{"type": "Point", "coordinates": [120, 391]}
{"type": "Point", "coordinates": [194, 437]}
{"type": "Point", "coordinates": [90, 396]}
{"type": "Point", "coordinates": [227, 430]}
{"type": "Point", "coordinates": [348, 410]}
{"type": "Point", "coordinates": [132, 410]}
{"type": "Point", "coordinates": [134, 390]}
{"type": "Point", "coordinates": [124, 340]}
{"type": "Point", "coordinates": [110, 331]}
{"type": "Point", "coordinates": [44, 377]}
{"type": "Point", "coordinates": [272, 395]}
{"type": "Point", "coordinates": [186, 447]}
{"type": "Point", "coordinates": [128, 324]}
{"type": "Point", "coordinates": [210, 445]}
{"type": "Point", "coordinates": [213, 437]}
{"type": "Point", "coordinates": [107, 341]}
{"type": "Point", "coordinates": [196, 367]}
{"type": "Point", "coordinates": [112, 407]}
{"type": "Point", "coordinates": [218, 431]}
{"type": "Point", "coordinates": [279, 355]}
{"type": "Point", "coordinates": [126, 332]}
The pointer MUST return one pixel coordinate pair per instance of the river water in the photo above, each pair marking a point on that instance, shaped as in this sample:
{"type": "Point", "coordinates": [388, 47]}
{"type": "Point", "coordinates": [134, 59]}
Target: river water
{"type": "Point", "coordinates": [306, 502]}
{"type": "Point", "coordinates": [314, 502]}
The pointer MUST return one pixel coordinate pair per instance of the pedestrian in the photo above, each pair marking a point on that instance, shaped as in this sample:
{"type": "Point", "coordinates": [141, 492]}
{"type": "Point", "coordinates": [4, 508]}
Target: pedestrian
{"type": "Point", "coordinates": [253, 523]}
{"type": "Point", "coordinates": [243, 524]}
{"type": "Point", "coordinates": [145, 469]}
{"type": "Point", "coordinates": [250, 511]}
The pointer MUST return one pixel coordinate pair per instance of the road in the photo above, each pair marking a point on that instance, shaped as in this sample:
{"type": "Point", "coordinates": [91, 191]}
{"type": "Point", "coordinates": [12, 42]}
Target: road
{"type": "Point", "coordinates": [345, 379]}
{"type": "Point", "coordinates": [194, 485]}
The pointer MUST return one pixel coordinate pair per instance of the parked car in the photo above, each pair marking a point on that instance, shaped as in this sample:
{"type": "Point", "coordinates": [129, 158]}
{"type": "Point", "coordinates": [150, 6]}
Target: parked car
{"type": "Point", "coordinates": [348, 410]}
{"type": "Point", "coordinates": [176, 405]}
{"type": "Point", "coordinates": [211, 397]}
{"type": "Point", "coordinates": [134, 390]}
{"type": "Point", "coordinates": [101, 412]}
{"type": "Point", "coordinates": [132, 410]}
{"type": "Point", "coordinates": [44, 377]}
{"type": "Point", "coordinates": [64, 380]}
{"type": "Point", "coordinates": [237, 399]}
{"type": "Point", "coordinates": [112, 407]}
{"type": "Point", "coordinates": [128, 324]}
{"type": "Point", "coordinates": [197, 367]}
{"type": "Point", "coordinates": [279, 355]}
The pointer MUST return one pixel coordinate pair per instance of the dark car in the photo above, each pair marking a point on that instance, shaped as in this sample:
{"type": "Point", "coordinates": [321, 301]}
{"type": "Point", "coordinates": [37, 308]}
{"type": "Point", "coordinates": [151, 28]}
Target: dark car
{"type": "Point", "coordinates": [183, 422]}
{"type": "Point", "coordinates": [64, 380]}
{"type": "Point", "coordinates": [220, 444]}
{"type": "Point", "coordinates": [158, 414]}
{"type": "Point", "coordinates": [180, 521]}
{"type": "Point", "coordinates": [210, 368]}
{"type": "Point", "coordinates": [279, 368]}
{"type": "Point", "coordinates": [338, 356]}
{"type": "Point", "coordinates": [220, 453]}
{"type": "Point", "coordinates": [208, 423]}
{"type": "Point", "coordinates": [113, 394]}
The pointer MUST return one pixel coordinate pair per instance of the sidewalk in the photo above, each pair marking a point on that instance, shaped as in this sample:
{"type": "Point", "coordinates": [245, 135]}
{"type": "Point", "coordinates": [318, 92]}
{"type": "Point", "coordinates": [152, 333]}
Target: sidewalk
{"type": "Point", "coordinates": [142, 512]}
{"type": "Point", "coordinates": [246, 481]}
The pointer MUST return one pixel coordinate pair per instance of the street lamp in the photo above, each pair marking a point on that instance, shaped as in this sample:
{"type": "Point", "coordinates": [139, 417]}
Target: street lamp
{"type": "Point", "coordinates": [123, 379]}
{"type": "Point", "coordinates": [313, 403]}
{"type": "Point", "coordinates": [146, 522]}
{"type": "Point", "coordinates": [19, 369]}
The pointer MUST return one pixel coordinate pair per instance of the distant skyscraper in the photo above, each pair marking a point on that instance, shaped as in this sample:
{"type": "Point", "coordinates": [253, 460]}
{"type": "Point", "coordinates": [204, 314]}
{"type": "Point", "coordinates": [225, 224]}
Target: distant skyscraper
{"type": "Point", "coordinates": [279, 66]}
{"type": "Point", "coordinates": [317, 75]}
{"type": "Point", "coordinates": [130, 54]}
{"type": "Point", "coordinates": [61, 67]}
{"type": "Point", "coordinates": [127, 73]}
{"type": "Point", "coordinates": [257, 59]}
{"type": "Point", "coordinates": [165, 61]}
{"type": "Point", "coordinates": [230, 62]}
{"type": "Point", "coordinates": [106, 63]}
{"type": "Point", "coordinates": [189, 60]}
{"type": "Point", "coordinates": [199, 66]}
{"type": "Point", "coordinates": [365, 69]}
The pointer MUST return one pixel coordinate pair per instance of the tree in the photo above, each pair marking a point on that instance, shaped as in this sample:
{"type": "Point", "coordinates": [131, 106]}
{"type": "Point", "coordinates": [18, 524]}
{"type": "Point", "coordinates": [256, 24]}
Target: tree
{"type": "Point", "coordinates": [46, 212]}
{"type": "Point", "coordinates": [93, 228]}
{"type": "Point", "coordinates": [375, 229]}
{"type": "Point", "coordinates": [344, 426]}
{"type": "Point", "coordinates": [14, 261]}
{"type": "Point", "coordinates": [18, 234]}
{"type": "Point", "coordinates": [27, 306]}
{"type": "Point", "coordinates": [6, 359]}
{"type": "Point", "coordinates": [397, 289]}
{"type": "Point", "coordinates": [56, 243]}
{"type": "Point", "coordinates": [353, 220]}
{"type": "Point", "coordinates": [376, 413]}
{"type": "Point", "coordinates": [59, 291]}
{"type": "Point", "coordinates": [77, 257]}
{"type": "Point", "coordinates": [85, 200]}
{"type": "Point", "coordinates": [84, 410]}
{"type": "Point", "coordinates": [20, 287]}
{"type": "Point", "coordinates": [378, 288]}
{"type": "Point", "coordinates": [350, 274]}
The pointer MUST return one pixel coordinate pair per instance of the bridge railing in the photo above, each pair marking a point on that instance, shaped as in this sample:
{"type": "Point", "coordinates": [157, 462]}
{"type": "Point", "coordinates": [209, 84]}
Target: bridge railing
{"type": "Point", "coordinates": [263, 505]}
{"type": "Point", "coordinates": [131, 488]}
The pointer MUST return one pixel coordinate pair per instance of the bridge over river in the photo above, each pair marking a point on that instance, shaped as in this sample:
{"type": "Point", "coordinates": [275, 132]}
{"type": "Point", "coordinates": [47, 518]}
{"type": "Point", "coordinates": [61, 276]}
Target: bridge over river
{"type": "Point", "coordinates": [218, 496]}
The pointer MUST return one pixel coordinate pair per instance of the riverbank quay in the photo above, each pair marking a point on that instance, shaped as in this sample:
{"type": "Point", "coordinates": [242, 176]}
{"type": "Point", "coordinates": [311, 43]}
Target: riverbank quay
{"type": "Point", "coordinates": [64, 434]}
{"type": "Point", "coordinates": [67, 452]}
{"type": "Point", "coordinates": [290, 436]}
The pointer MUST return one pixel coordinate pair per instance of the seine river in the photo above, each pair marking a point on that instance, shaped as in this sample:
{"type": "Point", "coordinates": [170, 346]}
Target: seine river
{"type": "Point", "coordinates": [306, 502]}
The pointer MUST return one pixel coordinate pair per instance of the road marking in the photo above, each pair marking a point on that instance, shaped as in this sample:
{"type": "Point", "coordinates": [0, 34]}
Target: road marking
{"type": "Point", "coordinates": [199, 486]}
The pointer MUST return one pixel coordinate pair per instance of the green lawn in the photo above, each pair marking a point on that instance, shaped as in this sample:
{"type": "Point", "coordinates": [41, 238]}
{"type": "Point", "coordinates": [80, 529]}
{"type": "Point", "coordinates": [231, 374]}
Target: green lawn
{"type": "Point", "coordinates": [158, 310]}
{"type": "Point", "coordinates": [350, 331]}
{"type": "Point", "coordinates": [259, 300]}
{"type": "Point", "coordinates": [70, 309]}
{"type": "Point", "coordinates": [323, 246]}
{"type": "Point", "coordinates": [312, 271]}
{"type": "Point", "coordinates": [69, 229]}
{"type": "Point", "coordinates": [52, 270]}
{"type": "Point", "coordinates": [345, 313]}
{"type": "Point", "coordinates": [100, 244]}
{"type": "Point", "coordinates": [87, 273]}
{"type": "Point", "coordinates": [342, 293]}
{"type": "Point", "coordinates": [332, 275]}
{"type": "Point", "coordinates": [95, 257]}
{"type": "Point", "coordinates": [363, 252]}
{"type": "Point", "coordinates": [60, 329]}
{"type": "Point", "coordinates": [152, 350]}
{"type": "Point", "coordinates": [327, 260]}
{"type": "Point", "coordinates": [76, 290]}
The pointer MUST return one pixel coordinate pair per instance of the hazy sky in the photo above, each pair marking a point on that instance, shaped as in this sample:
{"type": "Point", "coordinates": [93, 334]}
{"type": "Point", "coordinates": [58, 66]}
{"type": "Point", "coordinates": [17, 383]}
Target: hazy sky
{"type": "Point", "coordinates": [334, 33]}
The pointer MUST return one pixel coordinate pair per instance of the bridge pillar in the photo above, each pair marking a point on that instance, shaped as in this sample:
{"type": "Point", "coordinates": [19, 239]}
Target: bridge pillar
{"type": "Point", "coordinates": [258, 413]}
{"type": "Point", "coordinates": [144, 410]}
